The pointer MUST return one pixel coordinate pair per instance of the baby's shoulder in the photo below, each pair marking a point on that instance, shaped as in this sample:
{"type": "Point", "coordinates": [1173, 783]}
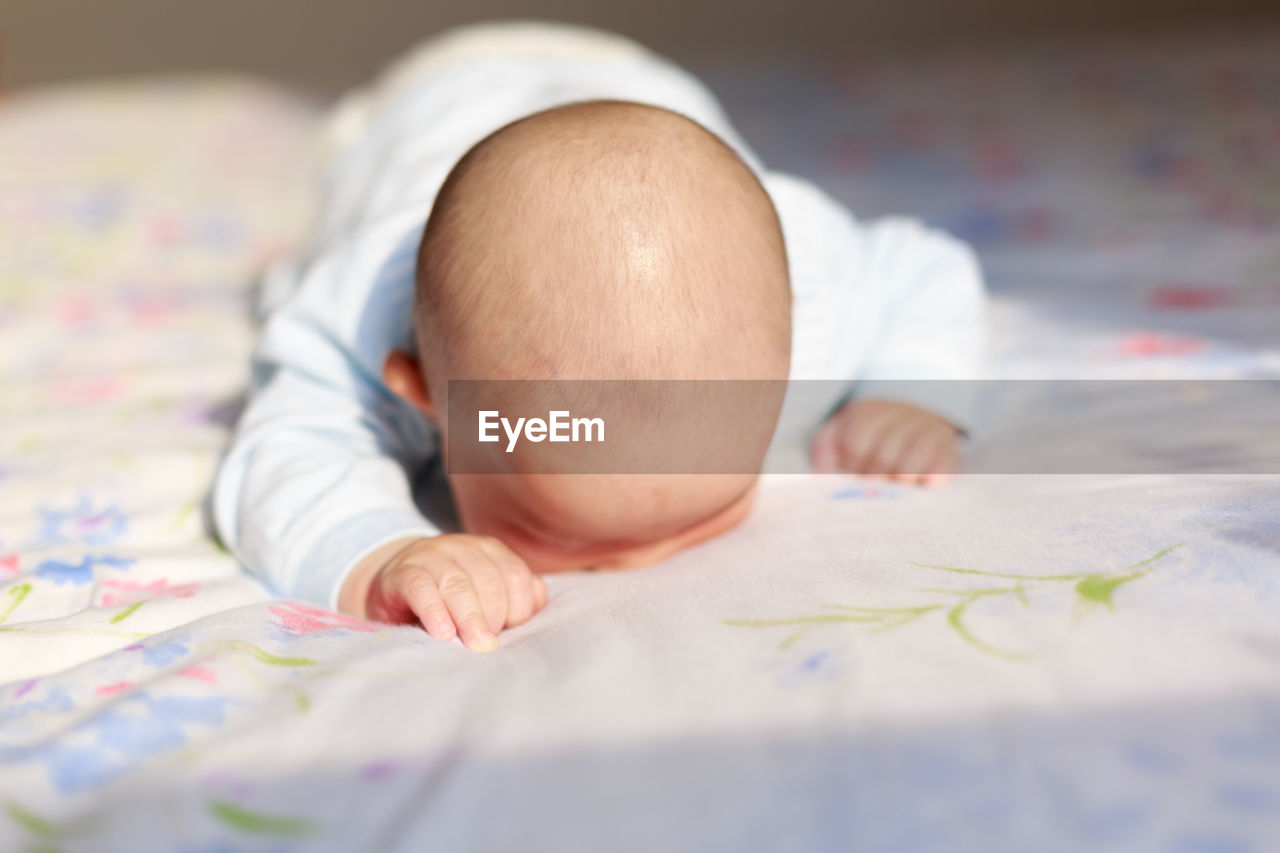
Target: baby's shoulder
{"type": "Point", "coordinates": [823, 237]}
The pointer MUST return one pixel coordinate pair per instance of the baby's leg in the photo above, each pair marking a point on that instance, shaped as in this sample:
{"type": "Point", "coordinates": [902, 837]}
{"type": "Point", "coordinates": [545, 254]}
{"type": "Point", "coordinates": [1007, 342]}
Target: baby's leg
{"type": "Point", "coordinates": [392, 145]}
{"type": "Point", "coordinates": [494, 40]}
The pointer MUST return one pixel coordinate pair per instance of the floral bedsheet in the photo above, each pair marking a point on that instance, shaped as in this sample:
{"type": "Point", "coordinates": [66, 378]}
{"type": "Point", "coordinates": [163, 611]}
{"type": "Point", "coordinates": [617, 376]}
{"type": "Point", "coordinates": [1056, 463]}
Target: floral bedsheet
{"type": "Point", "coordinates": [1012, 662]}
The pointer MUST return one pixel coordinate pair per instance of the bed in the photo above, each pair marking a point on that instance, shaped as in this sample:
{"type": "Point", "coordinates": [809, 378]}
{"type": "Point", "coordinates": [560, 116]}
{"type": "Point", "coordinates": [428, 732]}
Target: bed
{"type": "Point", "coordinates": [1013, 662]}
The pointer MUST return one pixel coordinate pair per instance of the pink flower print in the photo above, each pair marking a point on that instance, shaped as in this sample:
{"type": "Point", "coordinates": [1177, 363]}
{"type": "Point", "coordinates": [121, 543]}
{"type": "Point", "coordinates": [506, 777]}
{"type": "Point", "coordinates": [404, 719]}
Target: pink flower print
{"type": "Point", "coordinates": [86, 390]}
{"type": "Point", "coordinates": [1155, 345]}
{"type": "Point", "coordinates": [9, 565]}
{"type": "Point", "coordinates": [147, 311]}
{"type": "Point", "coordinates": [301, 619]}
{"type": "Point", "coordinates": [132, 591]}
{"type": "Point", "coordinates": [1183, 297]}
{"type": "Point", "coordinates": [199, 673]}
{"type": "Point", "coordinates": [165, 230]}
{"type": "Point", "coordinates": [77, 312]}
{"type": "Point", "coordinates": [118, 687]}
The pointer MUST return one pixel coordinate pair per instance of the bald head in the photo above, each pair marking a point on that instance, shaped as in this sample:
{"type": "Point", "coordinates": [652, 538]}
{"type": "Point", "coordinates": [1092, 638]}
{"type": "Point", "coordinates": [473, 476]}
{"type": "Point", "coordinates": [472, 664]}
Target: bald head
{"type": "Point", "coordinates": [603, 240]}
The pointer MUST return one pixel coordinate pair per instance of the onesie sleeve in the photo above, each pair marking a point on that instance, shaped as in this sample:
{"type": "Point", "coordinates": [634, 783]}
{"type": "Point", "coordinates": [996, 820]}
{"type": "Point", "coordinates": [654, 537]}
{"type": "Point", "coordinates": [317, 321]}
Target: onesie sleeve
{"type": "Point", "coordinates": [318, 473]}
{"type": "Point", "coordinates": [889, 308]}
{"type": "Point", "coordinates": [926, 291]}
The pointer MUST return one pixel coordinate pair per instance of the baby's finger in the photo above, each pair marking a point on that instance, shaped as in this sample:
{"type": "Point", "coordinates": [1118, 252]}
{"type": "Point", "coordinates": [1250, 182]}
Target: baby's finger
{"type": "Point", "coordinates": [824, 454]}
{"type": "Point", "coordinates": [464, 607]}
{"type": "Point", "coordinates": [539, 593]}
{"type": "Point", "coordinates": [893, 440]}
{"type": "Point", "coordinates": [943, 466]}
{"type": "Point", "coordinates": [387, 603]}
{"type": "Point", "coordinates": [490, 584]}
{"type": "Point", "coordinates": [519, 581]}
{"type": "Point", "coordinates": [423, 597]}
{"type": "Point", "coordinates": [859, 437]}
{"type": "Point", "coordinates": [916, 457]}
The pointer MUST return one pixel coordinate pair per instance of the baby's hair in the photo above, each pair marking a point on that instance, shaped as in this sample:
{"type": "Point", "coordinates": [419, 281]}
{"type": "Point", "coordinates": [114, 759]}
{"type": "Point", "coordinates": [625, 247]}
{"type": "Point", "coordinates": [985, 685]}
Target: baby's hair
{"type": "Point", "coordinates": [604, 240]}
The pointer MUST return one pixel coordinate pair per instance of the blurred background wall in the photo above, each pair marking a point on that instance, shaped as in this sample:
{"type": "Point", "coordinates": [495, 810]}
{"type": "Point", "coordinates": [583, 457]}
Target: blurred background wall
{"type": "Point", "coordinates": [333, 43]}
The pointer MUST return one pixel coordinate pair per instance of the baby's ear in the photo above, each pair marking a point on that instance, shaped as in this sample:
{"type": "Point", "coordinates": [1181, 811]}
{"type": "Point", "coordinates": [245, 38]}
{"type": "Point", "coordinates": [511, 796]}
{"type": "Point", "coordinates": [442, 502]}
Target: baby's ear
{"type": "Point", "coordinates": [403, 375]}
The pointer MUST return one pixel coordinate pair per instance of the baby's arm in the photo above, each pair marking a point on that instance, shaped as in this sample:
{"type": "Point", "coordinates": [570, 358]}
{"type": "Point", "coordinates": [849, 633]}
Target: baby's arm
{"type": "Point", "coordinates": [315, 488]}
{"type": "Point", "coordinates": [927, 292]}
{"type": "Point", "coordinates": [895, 310]}
{"type": "Point", "coordinates": [316, 474]}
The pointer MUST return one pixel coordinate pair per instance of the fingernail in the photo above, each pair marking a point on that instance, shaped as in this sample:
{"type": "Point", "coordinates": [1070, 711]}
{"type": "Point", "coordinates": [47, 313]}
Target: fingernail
{"type": "Point", "coordinates": [485, 643]}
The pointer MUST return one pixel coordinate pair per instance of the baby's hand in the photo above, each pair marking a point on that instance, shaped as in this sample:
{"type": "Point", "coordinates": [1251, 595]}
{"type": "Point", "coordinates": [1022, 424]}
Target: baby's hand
{"type": "Point", "coordinates": [453, 585]}
{"type": "Point", "coordinates": [884, 438]}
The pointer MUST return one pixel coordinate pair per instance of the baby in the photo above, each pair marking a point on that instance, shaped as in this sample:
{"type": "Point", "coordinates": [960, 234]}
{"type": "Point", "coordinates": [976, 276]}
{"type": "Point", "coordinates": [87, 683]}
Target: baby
{"type": "Point", "coordinates": [589, 215]}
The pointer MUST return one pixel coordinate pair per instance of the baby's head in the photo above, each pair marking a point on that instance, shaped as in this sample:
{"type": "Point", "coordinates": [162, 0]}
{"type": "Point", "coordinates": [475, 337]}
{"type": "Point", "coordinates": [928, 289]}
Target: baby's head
{"type": "Point", "coordinates": [600, 240]}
